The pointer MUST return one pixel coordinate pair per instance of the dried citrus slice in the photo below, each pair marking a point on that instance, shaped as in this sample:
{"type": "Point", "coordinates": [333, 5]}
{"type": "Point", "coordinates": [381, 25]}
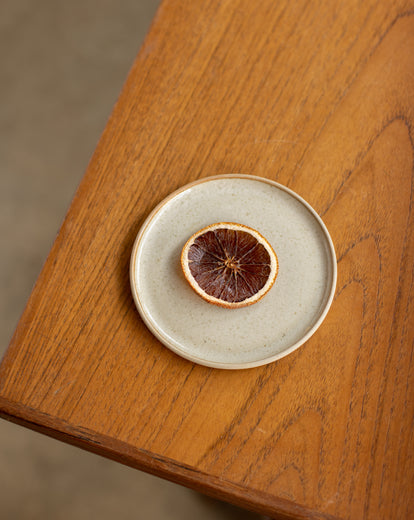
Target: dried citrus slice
{"type": "Point", "coordinates": [229, 264]}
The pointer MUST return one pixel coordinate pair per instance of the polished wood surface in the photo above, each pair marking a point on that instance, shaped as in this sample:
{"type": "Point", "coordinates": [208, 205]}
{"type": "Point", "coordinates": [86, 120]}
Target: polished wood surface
{"type": "Point", "coordinates": [318, 96]}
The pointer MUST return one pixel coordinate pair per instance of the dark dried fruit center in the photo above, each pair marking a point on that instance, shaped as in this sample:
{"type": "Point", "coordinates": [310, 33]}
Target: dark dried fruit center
{"type": "Point", "coordinates": [228, 264]}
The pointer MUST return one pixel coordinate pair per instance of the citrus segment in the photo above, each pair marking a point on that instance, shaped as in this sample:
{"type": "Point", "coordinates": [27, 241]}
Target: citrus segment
{"type": "Point", "coordinates": [229, 264]}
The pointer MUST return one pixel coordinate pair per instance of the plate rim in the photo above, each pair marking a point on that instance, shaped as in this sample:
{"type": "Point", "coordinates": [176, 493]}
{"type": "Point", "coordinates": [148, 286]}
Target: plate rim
{"type": "Point", "coordinates": [217, 364]}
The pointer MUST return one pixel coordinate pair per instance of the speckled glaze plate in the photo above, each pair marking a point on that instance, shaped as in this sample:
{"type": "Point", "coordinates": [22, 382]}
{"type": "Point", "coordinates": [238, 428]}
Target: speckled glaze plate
{"type": "Point", "coordinates": [234, 338]}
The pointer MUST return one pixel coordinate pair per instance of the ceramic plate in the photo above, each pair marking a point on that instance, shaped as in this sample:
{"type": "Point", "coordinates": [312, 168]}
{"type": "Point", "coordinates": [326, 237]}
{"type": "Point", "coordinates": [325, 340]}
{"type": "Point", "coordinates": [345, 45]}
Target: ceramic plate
{"type": "Point", "coordinates": [234, 338]}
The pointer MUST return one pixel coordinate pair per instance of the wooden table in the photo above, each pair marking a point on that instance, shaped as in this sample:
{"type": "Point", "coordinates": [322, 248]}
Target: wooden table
{"type": "Point", "coordinates": [318, 96]}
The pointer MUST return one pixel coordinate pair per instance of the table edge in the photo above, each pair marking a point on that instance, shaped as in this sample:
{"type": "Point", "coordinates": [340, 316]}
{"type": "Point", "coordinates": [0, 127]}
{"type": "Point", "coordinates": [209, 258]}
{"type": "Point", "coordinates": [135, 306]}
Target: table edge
{"type": "Point", "coordinates": [155, 464]}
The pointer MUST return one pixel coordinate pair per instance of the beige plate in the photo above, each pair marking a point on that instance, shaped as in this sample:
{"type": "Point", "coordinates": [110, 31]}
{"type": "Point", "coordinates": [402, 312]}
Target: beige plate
{"type": "Point", "coordinates": [234, 338]}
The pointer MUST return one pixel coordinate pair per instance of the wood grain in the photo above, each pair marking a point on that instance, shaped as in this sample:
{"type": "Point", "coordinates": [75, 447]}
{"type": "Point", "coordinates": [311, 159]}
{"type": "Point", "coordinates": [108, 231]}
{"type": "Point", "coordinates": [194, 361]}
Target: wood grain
{"type": "Point", "coordinates": [318, 96]}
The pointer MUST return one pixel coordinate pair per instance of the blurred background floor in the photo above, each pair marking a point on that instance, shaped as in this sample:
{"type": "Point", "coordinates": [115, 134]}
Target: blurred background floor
{"type": "Point", "coordinates": [62, 67]}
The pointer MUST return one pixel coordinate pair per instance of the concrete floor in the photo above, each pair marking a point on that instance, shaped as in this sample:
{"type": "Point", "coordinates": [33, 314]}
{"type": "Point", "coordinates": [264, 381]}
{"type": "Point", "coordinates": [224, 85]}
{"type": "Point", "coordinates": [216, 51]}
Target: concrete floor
{"type": "Point", "coordinates": [62, 67]}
